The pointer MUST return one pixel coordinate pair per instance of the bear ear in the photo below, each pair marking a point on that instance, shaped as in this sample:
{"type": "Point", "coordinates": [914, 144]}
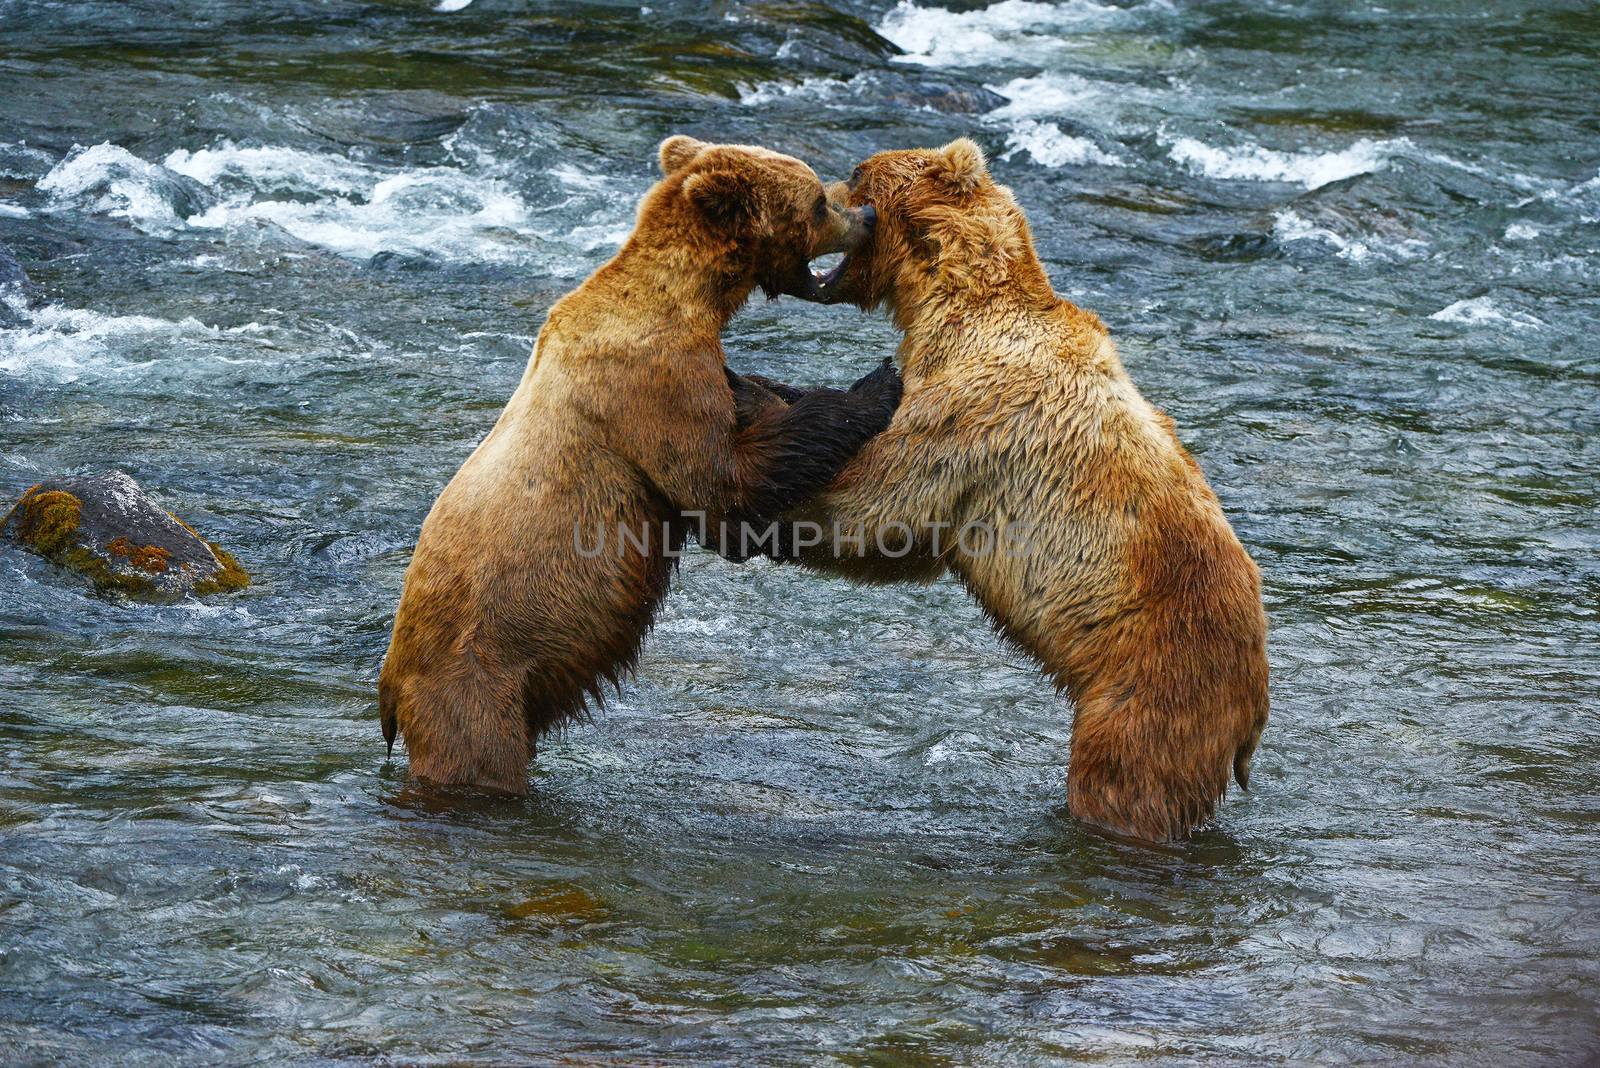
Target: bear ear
{"type": "Point", "coordinates": [959, 165]}
{"type": "Point", "coordinates": [724, 197]}
{"type": "Point", "coordinates": [676, 151]}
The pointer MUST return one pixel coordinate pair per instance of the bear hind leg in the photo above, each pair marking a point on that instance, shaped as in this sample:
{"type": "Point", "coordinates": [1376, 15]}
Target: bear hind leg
{"type": "Point", "coordinates": [460, 735]}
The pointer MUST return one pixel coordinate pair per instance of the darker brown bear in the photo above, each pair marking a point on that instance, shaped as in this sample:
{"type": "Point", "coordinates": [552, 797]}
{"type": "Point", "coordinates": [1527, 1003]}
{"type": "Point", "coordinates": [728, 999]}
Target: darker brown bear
{"type": "Point", "coordinates": [542, 563]}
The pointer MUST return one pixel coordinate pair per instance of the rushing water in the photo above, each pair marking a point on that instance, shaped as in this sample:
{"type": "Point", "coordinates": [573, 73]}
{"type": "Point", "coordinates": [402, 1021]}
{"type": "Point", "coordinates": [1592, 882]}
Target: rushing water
{"type": "Point", "coordinates": [288, 260]}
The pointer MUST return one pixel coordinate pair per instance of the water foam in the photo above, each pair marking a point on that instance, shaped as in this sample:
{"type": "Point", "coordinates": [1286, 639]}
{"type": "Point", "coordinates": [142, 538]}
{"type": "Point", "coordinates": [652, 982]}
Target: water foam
{"type": "Point", "coordinates": [1052, 94]}
{"type": "Point", "coordinates": [347, 206]}
{"type": "Point", "coordinates": [288, 168]}
{"type": "Point", "coordinates": [107, 179]}
{"type": "Point", "coordinates": [1479, 311]}
{"type": "Point", "coordinates": [356, 209]}
{"type": "Point", "coordinates": [440, 212]}
{"type": "Point", "coordinates": [1309, 169]}
{"type": "Point", "coordinates": [1005, 32]}
{"type": "Point", "coordinates": [63, 343]}
{"type": "Point", "coordinates": [1289, 226]}
{"type": "Point", "coordinates": [1049, 146]}
{"type": "Point", "coordinates": [1030, 101]}
{"type": "Point", "coordinates": [805, 89]}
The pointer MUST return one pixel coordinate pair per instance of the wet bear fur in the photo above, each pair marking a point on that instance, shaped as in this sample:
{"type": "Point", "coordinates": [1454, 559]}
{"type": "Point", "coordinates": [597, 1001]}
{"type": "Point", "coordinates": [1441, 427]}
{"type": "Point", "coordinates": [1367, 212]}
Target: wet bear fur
{"type": "Point", "coordinates": [1132, 592]}
{"type": "Point", "coordinates": [625, 423]}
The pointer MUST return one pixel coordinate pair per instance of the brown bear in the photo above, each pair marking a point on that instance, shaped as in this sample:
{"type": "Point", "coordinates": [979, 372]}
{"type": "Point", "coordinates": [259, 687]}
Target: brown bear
{"type": "Point", "coordinates": [1023, 460]}
{"type": "Point", "coordinates": [541, 565]}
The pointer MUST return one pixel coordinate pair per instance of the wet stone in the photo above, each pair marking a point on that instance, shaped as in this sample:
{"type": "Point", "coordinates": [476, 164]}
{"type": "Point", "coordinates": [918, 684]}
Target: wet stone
{"type": "Point", "coordinates": [108, 174]}
{"type": "Point", "coordinates": [108, 530]}
{"type": "Point", "coordinates": [947, 97]}
{"type": "Point", "coordinates": [388, 260]}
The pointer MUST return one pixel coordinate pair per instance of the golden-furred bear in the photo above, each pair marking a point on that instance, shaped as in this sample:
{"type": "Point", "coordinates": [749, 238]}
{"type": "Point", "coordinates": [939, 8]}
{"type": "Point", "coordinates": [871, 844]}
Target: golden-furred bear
{"type": "Point", "coordinates": [541, 565]}
{"type": "Point", "coordinates": [1023, 460]}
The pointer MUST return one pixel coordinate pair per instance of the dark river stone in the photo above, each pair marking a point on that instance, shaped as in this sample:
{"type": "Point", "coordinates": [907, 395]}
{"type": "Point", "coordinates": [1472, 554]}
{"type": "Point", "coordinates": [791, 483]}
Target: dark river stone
{"type": "Point", "coordinates": [106, 529]}
{"type": "Point", "coordinates": [953, 99]}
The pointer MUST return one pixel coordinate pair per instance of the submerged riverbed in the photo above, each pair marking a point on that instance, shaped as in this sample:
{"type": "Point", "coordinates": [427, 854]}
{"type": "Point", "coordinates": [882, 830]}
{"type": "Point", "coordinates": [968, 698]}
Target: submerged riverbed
{"type": "Point", "coordinates": [287, 263]}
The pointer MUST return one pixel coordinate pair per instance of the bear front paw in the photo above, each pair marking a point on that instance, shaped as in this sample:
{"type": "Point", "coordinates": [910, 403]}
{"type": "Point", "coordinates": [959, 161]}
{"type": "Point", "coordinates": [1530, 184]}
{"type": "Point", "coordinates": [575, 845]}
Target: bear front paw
{"type": "Point", "coordinates": [882, 388]}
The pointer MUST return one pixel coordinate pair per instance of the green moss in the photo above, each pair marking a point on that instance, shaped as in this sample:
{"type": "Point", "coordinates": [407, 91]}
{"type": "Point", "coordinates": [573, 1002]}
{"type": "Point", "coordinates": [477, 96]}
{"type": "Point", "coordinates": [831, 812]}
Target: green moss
{"type": "Point", "coordinates": [95, 568]}
{"type": "Point", "coordinates": [45, 521]}
{"type": "Point", "coordinates": [232, 577]}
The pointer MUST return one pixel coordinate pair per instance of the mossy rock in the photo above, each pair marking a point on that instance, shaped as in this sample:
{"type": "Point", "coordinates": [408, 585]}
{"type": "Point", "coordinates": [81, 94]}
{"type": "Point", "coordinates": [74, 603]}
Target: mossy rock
{"type": "Point", "coordinates": [108, 530]}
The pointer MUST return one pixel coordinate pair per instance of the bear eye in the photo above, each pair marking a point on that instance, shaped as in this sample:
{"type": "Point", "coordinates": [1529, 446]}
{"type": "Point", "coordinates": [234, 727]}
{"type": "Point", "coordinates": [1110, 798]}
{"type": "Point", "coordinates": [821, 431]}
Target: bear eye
{"type": "Point", "coordinates": [820, 208]}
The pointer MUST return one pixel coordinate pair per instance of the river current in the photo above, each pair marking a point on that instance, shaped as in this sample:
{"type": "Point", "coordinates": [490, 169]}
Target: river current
{"type": "Point", "coordinates": [287, 260]}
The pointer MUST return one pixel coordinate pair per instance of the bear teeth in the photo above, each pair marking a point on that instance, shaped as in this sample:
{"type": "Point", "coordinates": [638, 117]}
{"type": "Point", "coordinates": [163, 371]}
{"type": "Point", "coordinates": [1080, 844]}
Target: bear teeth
{"type": "Point", "coordinates": [824, 278]}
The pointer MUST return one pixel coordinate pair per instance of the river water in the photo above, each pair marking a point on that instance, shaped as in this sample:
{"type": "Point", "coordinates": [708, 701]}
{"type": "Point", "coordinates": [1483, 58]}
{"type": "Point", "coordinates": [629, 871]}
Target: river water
{"type": "Point", "coordinates": [288, 260]}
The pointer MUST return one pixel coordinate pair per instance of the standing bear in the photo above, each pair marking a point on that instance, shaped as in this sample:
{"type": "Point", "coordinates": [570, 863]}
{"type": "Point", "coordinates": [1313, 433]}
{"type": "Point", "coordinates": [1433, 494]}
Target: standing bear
{"type": "Point", "coordinates": [1024, 461]}
{"type": "Point", "coordinates": [541, 565]}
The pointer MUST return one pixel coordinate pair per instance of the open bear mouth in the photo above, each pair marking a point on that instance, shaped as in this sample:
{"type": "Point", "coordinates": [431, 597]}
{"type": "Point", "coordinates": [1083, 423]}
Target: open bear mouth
{"type": "Point", "coordinates": [822, 274]}
{"type": "Point", "coordinates": [826, 269]}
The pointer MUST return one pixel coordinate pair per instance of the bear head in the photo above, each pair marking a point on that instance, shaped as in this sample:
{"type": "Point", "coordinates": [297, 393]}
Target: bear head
{"type": "Point", "coordinates": [943, 224]}
{"type": "Point", "coordinates": [764, 216]}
